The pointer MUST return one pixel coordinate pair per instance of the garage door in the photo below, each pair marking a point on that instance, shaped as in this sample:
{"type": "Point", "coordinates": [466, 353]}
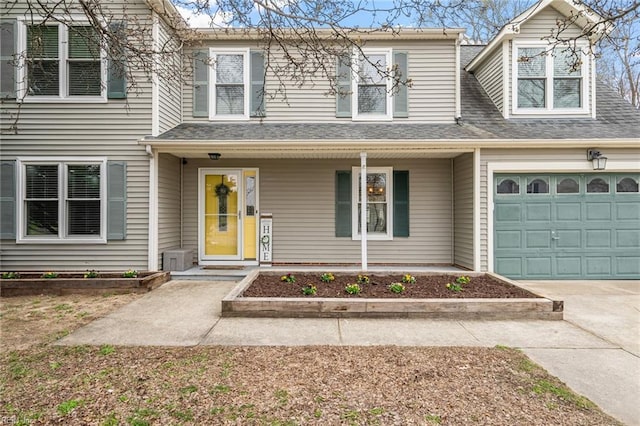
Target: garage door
{"type": "Point", "coordinates": [567, 226]}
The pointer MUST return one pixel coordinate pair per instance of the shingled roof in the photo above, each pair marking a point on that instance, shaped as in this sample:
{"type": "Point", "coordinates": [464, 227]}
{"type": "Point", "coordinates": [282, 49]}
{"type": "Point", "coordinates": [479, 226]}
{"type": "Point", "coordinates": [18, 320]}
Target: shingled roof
{"type": "Point", "coordinates": [616, 119]}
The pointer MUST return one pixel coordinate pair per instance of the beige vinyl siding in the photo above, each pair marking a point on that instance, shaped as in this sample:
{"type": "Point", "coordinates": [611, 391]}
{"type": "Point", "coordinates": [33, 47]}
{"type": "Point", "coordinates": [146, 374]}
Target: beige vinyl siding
{"type": "Point", "coordinates": [76, 131]}
{"type": "Point", "coordinates": [490, 75]}
{"type": "Point", "coordinates": [169, 208]}
{"type": "Point", "coordinates": [300, 195]}
{"type": "Point", "coordinates": [431, 97]}
{"type": "Point", "coordinates": [169, 81]}
{"type": "Point", "coordinates": [463, 210]}
{"type": "Point", "coordinates": [539, 156]}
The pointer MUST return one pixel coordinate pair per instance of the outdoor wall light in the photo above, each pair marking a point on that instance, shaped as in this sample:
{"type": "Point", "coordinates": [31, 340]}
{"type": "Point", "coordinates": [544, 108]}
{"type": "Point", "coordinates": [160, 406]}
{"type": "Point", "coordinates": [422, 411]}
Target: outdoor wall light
{"type": "Point", "coordinates": [215, 155]}
{"type": "Point", "coordinates": [599, 160]}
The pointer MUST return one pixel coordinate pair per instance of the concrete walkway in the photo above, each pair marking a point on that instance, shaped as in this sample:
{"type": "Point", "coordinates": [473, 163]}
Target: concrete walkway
{"type": "Point", "coordinates": [595, 350]}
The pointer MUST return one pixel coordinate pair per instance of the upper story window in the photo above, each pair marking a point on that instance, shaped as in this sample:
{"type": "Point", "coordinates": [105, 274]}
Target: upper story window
{"type": "Point", "coordinates": [62, 63]}
{"type": "Point", "coordinates": [548, 81]}
{"type": "Point", "coordinates": [230, 84]}
{"type": "Point", "coordinates": [62, 201]}
{"type": "Point", "coordinates": [372, 95]}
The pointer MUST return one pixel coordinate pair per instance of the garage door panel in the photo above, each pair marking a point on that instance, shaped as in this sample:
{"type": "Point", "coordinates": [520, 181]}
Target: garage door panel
{"type": "Point", "coordinates": [539, 267]}
{"type": "Point", "coordinates": [628, 265]}
{"type": "Point", "coordinates": [598, 211]}
{"type": "Point", "coordinates": [509, 212]}
{"type": "Point", "coordinates": [539, 212]}
{"type": "Point", "coordinates": [509, 239]}
{"type": "Point", "coordinates": [510, 266]}
{"type": "Point", "coordinates": [568, 266]}
{"type": "Point", "coordinates": [628, 238]}
{"type": "Point", "coordinates": [538, 239]}
{"type": "Point", "coordinates": [628, 211]}
{"type": "Point", "coordinates": [569, 238]}
{"type": "Point", "coordinates": [598, 266]}
{"type": "Point", "coordinates": [568, 211]}
{"type": "Point", "coordinates": [597, 238]}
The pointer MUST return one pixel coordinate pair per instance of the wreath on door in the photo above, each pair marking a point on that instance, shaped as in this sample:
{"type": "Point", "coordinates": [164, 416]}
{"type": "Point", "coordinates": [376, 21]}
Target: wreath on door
{"type": "Point", "coordinates": [222, 192]}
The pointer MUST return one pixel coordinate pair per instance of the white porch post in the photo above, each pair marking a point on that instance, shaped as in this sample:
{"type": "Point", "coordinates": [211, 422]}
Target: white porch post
{"type": "Point", "coordinates": [363, 209]}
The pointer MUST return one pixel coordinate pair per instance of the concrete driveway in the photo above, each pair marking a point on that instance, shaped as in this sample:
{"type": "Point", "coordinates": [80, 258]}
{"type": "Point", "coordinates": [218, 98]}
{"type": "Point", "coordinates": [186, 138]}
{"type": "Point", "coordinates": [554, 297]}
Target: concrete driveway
{"type": "Point", "coordinates": [595, 350]}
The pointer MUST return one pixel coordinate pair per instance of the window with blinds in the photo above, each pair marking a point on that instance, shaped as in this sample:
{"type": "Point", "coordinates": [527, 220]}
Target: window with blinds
{"type": "Point", "coordinates": [230, 84]}
{"type": "Point", "coordinates": [63, 200]}
{"type": "Point", "coordinates": [63, 61]}
{"type": "Point", "coordinates": [372, 94]}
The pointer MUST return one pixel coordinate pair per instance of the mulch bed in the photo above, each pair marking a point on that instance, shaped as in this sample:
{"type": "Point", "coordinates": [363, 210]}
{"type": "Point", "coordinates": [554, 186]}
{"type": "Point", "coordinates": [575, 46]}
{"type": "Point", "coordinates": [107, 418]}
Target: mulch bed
{"type": "Point", "coordinates": [425, 287]}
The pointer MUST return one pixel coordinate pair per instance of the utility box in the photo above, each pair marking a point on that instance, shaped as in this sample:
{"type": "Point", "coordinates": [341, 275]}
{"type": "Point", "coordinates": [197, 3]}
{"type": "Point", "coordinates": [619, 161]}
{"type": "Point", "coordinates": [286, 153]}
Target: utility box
{"type": "Point", "coordinates": [177, 260]}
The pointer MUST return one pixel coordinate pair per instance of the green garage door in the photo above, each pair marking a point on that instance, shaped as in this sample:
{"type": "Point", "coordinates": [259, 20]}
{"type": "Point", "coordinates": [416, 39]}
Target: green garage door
{"type": "Point", "coordinates": [567, 226]}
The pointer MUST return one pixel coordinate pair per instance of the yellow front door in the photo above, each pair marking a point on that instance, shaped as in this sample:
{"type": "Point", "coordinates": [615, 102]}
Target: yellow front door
{"type": "Point", "coordinates": [222, 214]}
{"type": "Point", "coordinates": [228, 214]}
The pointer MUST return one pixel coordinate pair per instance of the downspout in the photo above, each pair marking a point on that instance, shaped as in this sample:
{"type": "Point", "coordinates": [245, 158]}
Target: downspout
{"type": "Point", "coordinates": [458, 112]}
{"type": "Point", "coordinates": [363, 210]}
{"type": "Point", "coordinates": [153, 210]}
{"type": "Point", "coordinates": [155, 89]}
{"type": "Point", "coordinates": [182, 161]}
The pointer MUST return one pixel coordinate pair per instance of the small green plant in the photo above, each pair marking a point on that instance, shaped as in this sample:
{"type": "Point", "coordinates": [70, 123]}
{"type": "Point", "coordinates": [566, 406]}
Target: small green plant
{"type": "Point", "coordinates": [289, 278]}
{"type": "Point", "coordinates": [50, 275]}
{"type": "Point", "coordinates": [462, 280]}
{"type": "Point", "coordinates": [363, 279]}
{"type": "Point", "coordinates": [188, 389]}
{"type": "Point", "coordinates": [327, 277]}
{"type": "Point", "coordinates": [10, 275]}
{"type": "Point", "coordinates": [433, 418]}
{"type": "Point", "coordinates": [309, 290]}
{"type": "Point", "coordinates": [91, 273]}
{"type": "Point", "coordinates": [396, 287]}
{"type": "Point", "coordinates": [408, 279]}
{"type": "Point", "coordinates": [353, 288]}
{"type": "Point", "coordinates": [131, 273]}
{"type": "Point", "coordinates": [67, 407]}
{"type": "Point", "coordinates": [454, 286]}
{"type": "Point", "coordinates": [106, 350]}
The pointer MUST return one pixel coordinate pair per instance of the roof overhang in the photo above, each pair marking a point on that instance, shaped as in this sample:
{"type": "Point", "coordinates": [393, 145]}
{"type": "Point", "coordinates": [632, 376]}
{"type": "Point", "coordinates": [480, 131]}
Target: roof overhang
{"type": "Point", "coordinates": [584, 18]}
{"type": "Point", "coordinates": [330, 149]}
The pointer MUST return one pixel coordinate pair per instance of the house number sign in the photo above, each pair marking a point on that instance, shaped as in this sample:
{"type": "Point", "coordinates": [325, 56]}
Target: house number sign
{"type": "Point", "coordinates": [266, 242]}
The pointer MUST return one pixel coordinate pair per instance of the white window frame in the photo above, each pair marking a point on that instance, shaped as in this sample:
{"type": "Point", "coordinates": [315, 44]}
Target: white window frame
{"type": "Point", "coordinates": [63, 57]}
{"type": "Point", "coordinates": [62, 237]}
{"type": "Point", "coordinates": [213, 54]}
{"type": "Point", "coordinates": [585, 71]}
{"type": "Point", "coordinates": [388, 54]}
{"type": "Point", "coordinates": [355, 188]}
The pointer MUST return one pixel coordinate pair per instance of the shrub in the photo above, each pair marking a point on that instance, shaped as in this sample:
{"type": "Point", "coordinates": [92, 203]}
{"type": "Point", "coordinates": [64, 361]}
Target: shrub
{"type": "Point", "coordinates": [352, 289]}
{"type": "Point", "coordinates": [10, 275]}
{"type": "Point", "coordinates": [462, 280]}
{"type": "Point", "coordinates": [309, 290]}
{"type": "Point", "coordinates": [130, 274]}
{"type": "Point", "coordinates": [396, 287]}
{"type": "Point", "coordinates": [327, 277]}
{"type": "Point", "coordinates": [50, 275]}
{"type": "Point", "coordinates": [289, 278]}
{"type": "Point", "coordinates": [91, 274]}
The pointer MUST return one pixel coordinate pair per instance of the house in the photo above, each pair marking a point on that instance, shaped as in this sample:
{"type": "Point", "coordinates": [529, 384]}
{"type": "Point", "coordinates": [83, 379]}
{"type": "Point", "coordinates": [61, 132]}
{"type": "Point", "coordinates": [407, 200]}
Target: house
{"type": "Point", "coordinates": [486, 161]}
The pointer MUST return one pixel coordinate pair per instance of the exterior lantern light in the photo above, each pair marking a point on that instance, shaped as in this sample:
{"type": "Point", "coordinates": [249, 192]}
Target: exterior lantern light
{"type": "Point", "coordinates": [215, 155]}
{"type": "Point", "coordinates": [599, 161]}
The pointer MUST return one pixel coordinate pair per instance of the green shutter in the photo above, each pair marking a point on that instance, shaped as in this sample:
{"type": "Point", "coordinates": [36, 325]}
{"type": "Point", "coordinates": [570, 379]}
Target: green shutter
{"type": "Point", "coordinates": [116, 200]}
{"type": "Point", "coordinates": [343, 203]}
{"type": "Point", "coordinates": [400, 203]}
{"type": "Point", "coordinates": [117, 71]}
{"type": "Point", "coordinates": [200, 83]}
{"type": "Point", "coordinates": [401, 95]}
{"type": "Point", "coordinates": [343, 87]}
{"type": "Point", "coordinates": [7, 200]}
{"type": "Point", "coordinates": [8, 50]}
{"type": "Point", "coordinates": [257, 84]}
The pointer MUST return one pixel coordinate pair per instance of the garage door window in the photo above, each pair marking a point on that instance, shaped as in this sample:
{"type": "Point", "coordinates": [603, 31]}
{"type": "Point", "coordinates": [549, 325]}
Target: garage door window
{"type": "Point", "coordinates": [538, 186]}
{"type": "Point", "coordinates": [508, 186]}
{"type": "Point", "coordinates": [568, 186]}
{"type": "Point", "coordinates": [627, 184]}
{"type": "Point", "coordinates": [598, 185]}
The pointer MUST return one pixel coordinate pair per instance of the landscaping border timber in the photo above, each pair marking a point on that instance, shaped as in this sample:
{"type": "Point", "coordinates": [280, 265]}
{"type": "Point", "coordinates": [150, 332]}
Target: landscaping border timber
{"type": "Point", "coordinates": [234, 305]}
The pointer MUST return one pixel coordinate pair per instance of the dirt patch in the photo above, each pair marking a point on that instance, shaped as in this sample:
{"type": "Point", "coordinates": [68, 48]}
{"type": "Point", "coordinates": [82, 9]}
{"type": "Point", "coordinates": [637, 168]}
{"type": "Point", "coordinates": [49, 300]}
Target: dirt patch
{"type": "Point", "coordinates": [425, 286]}
{"type": "Point", "coordinates": [30, 320]}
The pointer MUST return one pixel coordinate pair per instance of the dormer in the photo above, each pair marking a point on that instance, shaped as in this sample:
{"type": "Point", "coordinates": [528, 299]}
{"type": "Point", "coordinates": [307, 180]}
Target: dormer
{"type": "Point", "coordinates": [540, 65]}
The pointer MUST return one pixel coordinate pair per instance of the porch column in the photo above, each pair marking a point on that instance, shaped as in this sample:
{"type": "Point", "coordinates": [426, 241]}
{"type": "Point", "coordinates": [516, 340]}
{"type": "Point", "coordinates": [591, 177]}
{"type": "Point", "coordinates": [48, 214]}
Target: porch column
{"type": "Point", "coordinates": [363, 209]}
